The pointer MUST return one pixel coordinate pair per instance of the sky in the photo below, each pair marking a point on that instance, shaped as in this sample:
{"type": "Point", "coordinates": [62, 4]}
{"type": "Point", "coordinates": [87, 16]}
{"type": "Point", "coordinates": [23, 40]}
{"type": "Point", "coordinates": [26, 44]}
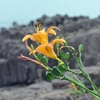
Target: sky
{"type": "Point", "coordinates": [22, 11]}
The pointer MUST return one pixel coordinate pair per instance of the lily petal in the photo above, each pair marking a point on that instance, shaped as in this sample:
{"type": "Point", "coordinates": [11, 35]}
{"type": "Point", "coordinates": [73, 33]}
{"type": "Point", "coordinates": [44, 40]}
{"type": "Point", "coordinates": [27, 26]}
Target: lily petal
{"type": "Point", "coordinates": [26, 37]}
{"type": "Point", "coordinates": [61, 41]}
{"type": "Point", "coordinates": [50, 51]}
{"type": "Point", "coordinates": [37, 37]}
{"type": "Point", "coordinates": [46, 50]}
{"type": "Point", "coordinates": [50, 30]}
{"type": "Point", "coordinates": [43, 31]}
{"type": "Point", "coordinates": [41, 36]}
{"type": "Point", "coordinates": [32, 38]}
{"type": "Point", "coordinates": [40, 49]}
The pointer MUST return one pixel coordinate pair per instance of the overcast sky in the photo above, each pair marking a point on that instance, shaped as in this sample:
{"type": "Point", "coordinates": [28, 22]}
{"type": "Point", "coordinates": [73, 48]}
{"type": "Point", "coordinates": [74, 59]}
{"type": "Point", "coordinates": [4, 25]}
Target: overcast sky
{"type": "Point", "coordinates": [23, 11]}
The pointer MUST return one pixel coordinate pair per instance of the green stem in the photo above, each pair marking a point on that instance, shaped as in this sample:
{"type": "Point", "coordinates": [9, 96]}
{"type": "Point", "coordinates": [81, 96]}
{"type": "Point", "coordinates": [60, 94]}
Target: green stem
{"type": "Point", "coordinates": [82, 69]}
{"type": "Point", "coordinates": [74, 74]}
{"type": "Point", "coordinates": [88, 77]}
{"type": "Point", "coordinates": [59, 60]}
{"type": "Point", "coordinates": [78, 73]}
{"type": "Point", "coordinates": [95, 95]}
{"type": "Point", "coordinates": [84, 72]}
{"type": "Point", "coordinates": [36, 57]}
{"type": "Point", "coordinates": [93, 85]}
{"type": "Point", "coordinates": [49, 68]}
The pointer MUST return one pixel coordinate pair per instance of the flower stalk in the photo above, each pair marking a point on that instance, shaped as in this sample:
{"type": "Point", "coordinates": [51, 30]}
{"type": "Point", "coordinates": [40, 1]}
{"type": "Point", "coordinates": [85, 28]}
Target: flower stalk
{"type": "Point", "coordinates": [45, 51]}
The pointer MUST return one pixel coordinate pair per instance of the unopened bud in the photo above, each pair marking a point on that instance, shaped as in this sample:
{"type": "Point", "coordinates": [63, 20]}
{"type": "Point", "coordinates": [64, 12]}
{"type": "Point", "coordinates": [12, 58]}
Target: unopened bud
{"type": "Point", "coordinates": [56, 71]}
{"type": "Point", "coordinates": [80, 48]}
{"type": "Point", "coordinates": [67, 55]}
{"type": "Point", "coordinates": [49, 75]}
{"type": "Point", "coordinates": [32, 47]}
{"type": "Point", "coordinates": [62, 68]}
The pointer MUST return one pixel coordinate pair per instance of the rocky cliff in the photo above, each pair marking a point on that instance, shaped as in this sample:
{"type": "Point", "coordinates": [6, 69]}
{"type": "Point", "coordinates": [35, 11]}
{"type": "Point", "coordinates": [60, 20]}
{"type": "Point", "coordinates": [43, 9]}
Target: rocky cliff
{"type": "Point", "coordinates": [76, 30]}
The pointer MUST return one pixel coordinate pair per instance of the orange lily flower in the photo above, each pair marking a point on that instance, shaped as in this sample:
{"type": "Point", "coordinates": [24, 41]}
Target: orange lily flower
{"type": "Point", "coordinates": [41, 36]}
{"type": "Point", "coordinates": [48, 50]}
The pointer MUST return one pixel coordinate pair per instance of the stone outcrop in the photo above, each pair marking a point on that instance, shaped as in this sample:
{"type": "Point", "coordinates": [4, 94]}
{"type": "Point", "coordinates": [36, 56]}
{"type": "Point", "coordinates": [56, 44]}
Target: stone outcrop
{"type": "Point", "coordinates": [40, 91]}
{"type": "Point", "coordinates": [76, 30]}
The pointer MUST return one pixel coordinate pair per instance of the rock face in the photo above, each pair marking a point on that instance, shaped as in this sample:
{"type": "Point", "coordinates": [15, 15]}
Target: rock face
{"type": "Point", "coordinates": [13, 72]}
{"type": "Point", "coordinates": [76, 30]}
{"type": "Point", "coordinates": [39, 91]}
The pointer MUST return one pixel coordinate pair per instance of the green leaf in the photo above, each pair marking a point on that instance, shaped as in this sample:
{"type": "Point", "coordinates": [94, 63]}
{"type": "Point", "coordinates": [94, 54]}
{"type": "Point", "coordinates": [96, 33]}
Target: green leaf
{"type": "Point", "coordinates": [49, 75]}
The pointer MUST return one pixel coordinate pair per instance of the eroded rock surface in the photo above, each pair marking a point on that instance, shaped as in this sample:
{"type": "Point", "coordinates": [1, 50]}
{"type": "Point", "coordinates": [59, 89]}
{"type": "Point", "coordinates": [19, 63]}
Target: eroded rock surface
{"type": "Point", "coordinates": [76, 30]}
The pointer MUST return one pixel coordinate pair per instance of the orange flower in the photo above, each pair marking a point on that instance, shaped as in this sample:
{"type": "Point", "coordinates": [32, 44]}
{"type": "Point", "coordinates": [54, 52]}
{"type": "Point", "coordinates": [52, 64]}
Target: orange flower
{"type": "Point", "coordinates": [41, 36]}
{"type": "Point", "coordinates": [48, 50]}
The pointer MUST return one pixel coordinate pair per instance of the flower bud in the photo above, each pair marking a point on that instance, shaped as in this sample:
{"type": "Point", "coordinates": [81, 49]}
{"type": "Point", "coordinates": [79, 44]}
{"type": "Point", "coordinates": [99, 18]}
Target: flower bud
{"type": "Point", "coordinates": [80, 48]}
{"type": "Point", "coordinates": [62, 68]}
{"type": "Point", "coordinates": [56, 71]}
{"type": "Point", "coordinates": [32, 47]}
{"type": "Point", "coordinates": [67, 55]}
{"type": "Point", "coordinates": [62, 54]}
{"type": "Point", "coordinates": [45, 59]}
{"type": "Point", "coordinates": [49, 75]}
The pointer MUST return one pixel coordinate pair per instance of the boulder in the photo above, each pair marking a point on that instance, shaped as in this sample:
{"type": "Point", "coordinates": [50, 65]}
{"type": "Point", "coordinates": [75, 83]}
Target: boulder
{"type": "Point", "coordinates": [14, 71]}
